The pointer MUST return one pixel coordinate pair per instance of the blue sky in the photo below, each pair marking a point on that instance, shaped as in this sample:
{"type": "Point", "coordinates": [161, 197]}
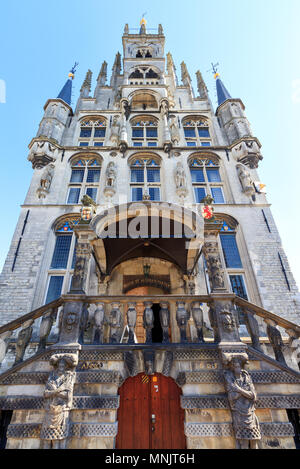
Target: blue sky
{"type": "Point", "coordinates": [256, 43]}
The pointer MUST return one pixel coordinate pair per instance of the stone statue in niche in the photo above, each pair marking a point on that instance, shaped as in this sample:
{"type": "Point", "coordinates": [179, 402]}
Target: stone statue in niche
{"type": "Point", "coordinates": [242, 397]}
{"type": "Point", "coordinates": [47, 177]}
{"type": "Point", "coordinates": [175, 137]}
{"type": "Point", "coordinates": [115, 131]}
{"type": "Point", "coordinates": [111, 175]}
{"type": "Point", "coordinates": [58, 397]}
{"type": "Point", "coordinates": [180, 178]}
{"type": "Point", "coordinates": [164, 107]}
{"type": "Point", "coordinates": [246, 180]}
{"type": "Point", "coordinates": [125, 109]}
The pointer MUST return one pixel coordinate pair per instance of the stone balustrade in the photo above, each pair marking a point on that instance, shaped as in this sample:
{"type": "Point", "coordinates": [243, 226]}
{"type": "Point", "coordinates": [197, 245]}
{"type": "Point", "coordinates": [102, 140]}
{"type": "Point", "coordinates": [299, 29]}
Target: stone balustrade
{"type": "Point", "coordinates": [111, 320]}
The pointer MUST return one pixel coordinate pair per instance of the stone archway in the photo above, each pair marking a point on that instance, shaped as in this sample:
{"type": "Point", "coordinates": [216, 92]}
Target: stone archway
{"type": "Point", "coordinates": [150, 415]}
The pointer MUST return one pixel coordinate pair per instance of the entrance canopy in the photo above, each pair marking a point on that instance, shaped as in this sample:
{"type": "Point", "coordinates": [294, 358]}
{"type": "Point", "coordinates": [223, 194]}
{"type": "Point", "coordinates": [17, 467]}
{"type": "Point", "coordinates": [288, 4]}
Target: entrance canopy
{"type": "Point", "coordinates": [148, 229]}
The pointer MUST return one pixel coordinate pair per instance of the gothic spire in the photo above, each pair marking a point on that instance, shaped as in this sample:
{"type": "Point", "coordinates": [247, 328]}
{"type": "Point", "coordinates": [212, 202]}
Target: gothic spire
{"type": "Point", "coordinates": [222, 92]}
{"type": "Point", "coordinates": [116, 70]}
{"type": "Point", "coordinates": [66, 92]}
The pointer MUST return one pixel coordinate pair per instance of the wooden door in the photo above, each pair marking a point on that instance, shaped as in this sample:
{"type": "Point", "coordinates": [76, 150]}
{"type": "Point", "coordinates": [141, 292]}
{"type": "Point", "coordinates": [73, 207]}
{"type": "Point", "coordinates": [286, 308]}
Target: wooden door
{"type": "Point", "coordinates": [150, 416]}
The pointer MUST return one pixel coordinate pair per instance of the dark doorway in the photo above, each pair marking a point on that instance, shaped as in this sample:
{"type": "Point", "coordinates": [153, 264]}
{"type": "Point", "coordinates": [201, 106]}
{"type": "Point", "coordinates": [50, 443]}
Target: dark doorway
{"type": "Point", "coordinates": [294, 418]}
{"type": "Point", "coordinates": [5, 418]}
{"type": "Point", "coordinates": [157, 332]}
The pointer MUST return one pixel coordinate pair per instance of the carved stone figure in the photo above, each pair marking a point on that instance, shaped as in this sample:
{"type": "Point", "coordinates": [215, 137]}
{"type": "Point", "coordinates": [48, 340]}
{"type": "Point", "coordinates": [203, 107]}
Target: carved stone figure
{"type": "Point", "coordinates": [131, 321]}
{"type": "Point", "coordinates": [98, 321]}
{"type": "Point", "coordinates": [115, 321]}
{"type": "Point", "coordinates": [47, 177]}
{"type": "Point", "coordinates": [23, 340]}
{"type": "Point", "coordinates": [242, 397]}
{"type": "Point", "coordinates": [164, 107]}
{"type": "Point", "coordinates": [175, 137]}
{"type": "Point", "coordinates": [125, 108]}
{"type": "Point", "coordinates": [148, 321]}
{"type": "Point", "coordinates": [246, 180]}
{"type": "Point", "coordinates": [275, 339]}
{"type": "Point", "coordinates": [111, 175]}
{"type": "Point", "coordinates": [115, 131]}
{"type": "Point", "coordinates": [180, 178]}
{"type": "Point", "coordinates": [228, 320]}
{"type": "Point", "coordinates": [58, 397]}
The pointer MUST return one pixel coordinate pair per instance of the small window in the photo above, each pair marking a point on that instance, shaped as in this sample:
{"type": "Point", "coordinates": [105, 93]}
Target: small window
{"type": "Point", "coordinates": [213, 175]}
{"type": "Point", "coordinates": [230, 251]}
{"type": "Point", "coordinates": [74, 194]}
{"type": "Point", "coordinates": [238, 286]}
{"type": "Point", "coordinates": [77, 175]}
{"type": "Point", "coordinates": [84, 144]}
{"type": "Point", "coordinates": [217, 195]}
{"type": "Point", "coordinates": [136, 194]}
{"type": "Point", "coordinates": [197, 175]}
{"type": "Point", "coordinates": [92, 192]}
{"type": "Point", "coordinates": [54, 288]}
{"type": "Point", "coordinates": [137, 175]}
{"type": "Point", "coordinates": [191, 144]}
{"type": "Point", "coordinates": [200, 193]}
{"type": "Point", "coordinates": [154, 193]}
{"type": "Point", "coordinates": [93, 175]}
{"type": "Point", "coordinates": [61, 252]}
{"type": "Point", "coordinates": [85, 133]}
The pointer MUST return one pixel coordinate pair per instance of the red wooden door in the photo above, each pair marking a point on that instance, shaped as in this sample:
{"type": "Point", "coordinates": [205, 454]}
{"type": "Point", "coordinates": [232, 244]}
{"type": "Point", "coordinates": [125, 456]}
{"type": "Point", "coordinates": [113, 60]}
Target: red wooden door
{"type": "Point", "coordinates": [150, 416]}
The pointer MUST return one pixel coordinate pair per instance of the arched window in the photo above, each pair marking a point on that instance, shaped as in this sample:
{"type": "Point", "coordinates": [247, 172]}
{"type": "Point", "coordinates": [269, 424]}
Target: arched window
{"type": "Point", "coordinates": [196, 131]}
{"type": "Point", "coordinates": [145, 179]}
{"type": "Point", "coordinates": [63, 259]}
{"type": "Point", "coordinates": [84, 179]}
{"type": "Point", "coordinates": [144, 131]}
{"type": "Point", "coordinates": [144, 76]}
{"type": "Point", "coordinates": [92, 132]}
{"type": "Point", "coordinates": [206, 179]}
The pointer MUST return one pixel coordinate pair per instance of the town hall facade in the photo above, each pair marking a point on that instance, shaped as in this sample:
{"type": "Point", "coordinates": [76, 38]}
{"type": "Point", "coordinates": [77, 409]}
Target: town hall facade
{"type": "Point", "coordinates": [146, 301]}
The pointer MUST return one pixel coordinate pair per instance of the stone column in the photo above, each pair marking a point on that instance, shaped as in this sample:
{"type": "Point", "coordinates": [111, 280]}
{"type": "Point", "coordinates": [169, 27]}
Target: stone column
{"type": "Point", "coordinates": [83, 254]}
{"type": "Point", "coordinates": [223, 316]}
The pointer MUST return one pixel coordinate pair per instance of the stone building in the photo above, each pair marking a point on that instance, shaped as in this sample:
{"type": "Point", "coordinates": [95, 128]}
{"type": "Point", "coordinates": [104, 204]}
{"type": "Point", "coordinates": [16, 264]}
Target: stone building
{"type": "Point", "coordinates": [146, 300]}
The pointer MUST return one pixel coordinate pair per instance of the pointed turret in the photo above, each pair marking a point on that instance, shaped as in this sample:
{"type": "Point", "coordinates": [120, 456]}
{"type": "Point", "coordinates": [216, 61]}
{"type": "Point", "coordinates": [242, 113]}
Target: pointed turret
{"type": "Point", "coordinates": [185, 76]}
{"type": "Point", "coordinates": [230, 112]}
{"type": "Point", "coordinates": [222, 92]}
{"type": "Point", "coordinates": [66, 92]}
